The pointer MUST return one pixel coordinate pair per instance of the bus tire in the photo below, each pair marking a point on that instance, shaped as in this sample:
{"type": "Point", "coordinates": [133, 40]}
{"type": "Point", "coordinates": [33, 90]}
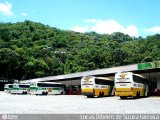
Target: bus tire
{"type": "Point", "coordinates": [43, 93]}
{"type": "Point", "coordinates": [137, 95]}
{"type": "Point", "coordinates": [100, 94]}
{"type": "Point", "coordinates": [46, 93]}
{"type": "Point", "coordinates": [90, 96]}
{"type": "Point", "coordinates": [61, 93]}
{"type": "Point", "coordinates": [24, 93]}
{"type": "Point", "coordinates": [123, 97]}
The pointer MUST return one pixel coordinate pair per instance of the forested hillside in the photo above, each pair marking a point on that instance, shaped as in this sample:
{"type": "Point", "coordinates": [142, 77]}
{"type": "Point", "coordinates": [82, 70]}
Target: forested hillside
{"type": "Point", "coordinates": [30, 50]}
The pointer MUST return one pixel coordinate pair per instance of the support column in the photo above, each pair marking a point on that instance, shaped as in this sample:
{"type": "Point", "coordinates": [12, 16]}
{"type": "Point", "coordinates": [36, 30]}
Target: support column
{"type": "Point", "coordinates": [158, 84]}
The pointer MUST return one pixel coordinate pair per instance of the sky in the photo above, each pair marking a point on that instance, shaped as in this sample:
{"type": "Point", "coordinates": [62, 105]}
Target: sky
{"type": "Point", "coordinates": [133, 17]}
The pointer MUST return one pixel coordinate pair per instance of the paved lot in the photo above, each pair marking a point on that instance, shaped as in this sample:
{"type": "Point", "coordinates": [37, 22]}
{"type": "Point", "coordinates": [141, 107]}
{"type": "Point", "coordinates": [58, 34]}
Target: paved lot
{"type": "Point", "coordinates": [30, 104]}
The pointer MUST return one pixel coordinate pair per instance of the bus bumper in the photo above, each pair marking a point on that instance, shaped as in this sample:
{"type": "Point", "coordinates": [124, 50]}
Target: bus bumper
{"type": "Point", "coordinates": [124, 93]}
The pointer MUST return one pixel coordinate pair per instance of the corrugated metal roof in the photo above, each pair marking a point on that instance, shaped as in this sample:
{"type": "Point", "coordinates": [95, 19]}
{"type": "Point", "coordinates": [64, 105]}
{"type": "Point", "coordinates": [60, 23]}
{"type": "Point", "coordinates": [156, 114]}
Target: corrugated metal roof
{"type": "Point", "coordinates": [86, 73]}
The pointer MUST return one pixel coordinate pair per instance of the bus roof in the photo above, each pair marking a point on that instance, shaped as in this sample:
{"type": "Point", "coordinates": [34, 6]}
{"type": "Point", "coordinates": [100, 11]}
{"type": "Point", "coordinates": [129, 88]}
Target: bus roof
{"type": "Point", "coordinates": [8, 84]}
{"type": "Point", "coordinates": [104, 78]}
{"type": "Point", "coordinates": [20, 84]}
{"type": "Point", "coordinates": [130, 73]}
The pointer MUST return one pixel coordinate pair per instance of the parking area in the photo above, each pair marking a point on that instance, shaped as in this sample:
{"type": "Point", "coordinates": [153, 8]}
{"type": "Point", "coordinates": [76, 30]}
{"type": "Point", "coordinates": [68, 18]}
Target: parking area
{"type": "Point", "coordinates": [68, 104]}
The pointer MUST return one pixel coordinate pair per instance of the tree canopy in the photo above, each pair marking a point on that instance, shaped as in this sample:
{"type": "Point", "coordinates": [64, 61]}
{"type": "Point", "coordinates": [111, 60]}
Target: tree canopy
{"type": "Point", "coordinates": [30, 50]}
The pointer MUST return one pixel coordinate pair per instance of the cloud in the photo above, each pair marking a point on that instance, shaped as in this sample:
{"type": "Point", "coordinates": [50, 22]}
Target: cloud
{"type": "Point", "coordinates": [131, 30]}
{"type": "Point", "coordinates": [80, 29]}
{"type": "Point", "coordinates": [5, 8]}
{"type": "Point", "coordinates": [155, 29]}
{"type": "Point", "coordinates": [108, 27]}
{"type": "Point", "coordinates": [24, 14]}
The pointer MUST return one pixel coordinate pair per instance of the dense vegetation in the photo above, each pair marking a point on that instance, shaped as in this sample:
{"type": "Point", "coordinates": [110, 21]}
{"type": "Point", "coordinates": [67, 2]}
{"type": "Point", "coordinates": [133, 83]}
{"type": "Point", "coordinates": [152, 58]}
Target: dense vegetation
{"type": "Point", "coordinates": [31, 50]}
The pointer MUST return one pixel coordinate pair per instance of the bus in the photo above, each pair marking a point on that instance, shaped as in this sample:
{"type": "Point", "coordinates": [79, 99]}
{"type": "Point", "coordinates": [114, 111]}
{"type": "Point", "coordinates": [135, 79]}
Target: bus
{"type": "Point", "coordinates": [20, 88]}
{"type": "Point", "coordinates": [47, 88]}
{"type": "Point", "coordinates": [8, 88]}
{"type": "Point", "coordinates": [128, 84]}
{"type": "Point", "coordinates": [96, 86]}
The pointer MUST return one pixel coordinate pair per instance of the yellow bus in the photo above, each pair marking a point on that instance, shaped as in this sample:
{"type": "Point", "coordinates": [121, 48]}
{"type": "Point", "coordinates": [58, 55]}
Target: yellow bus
{"type": "Point", "coordinates": [96, 86]}
{"type": "Point", "coordinates": [128, 84]}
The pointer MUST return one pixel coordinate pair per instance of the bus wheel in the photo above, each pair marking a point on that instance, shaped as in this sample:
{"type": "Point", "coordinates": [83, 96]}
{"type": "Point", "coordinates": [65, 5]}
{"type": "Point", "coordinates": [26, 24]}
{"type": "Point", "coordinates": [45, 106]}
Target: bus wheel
{"type": "Point", "coordinates": [91, 96]}
{"type": "Point", "coordinates": [61, 93]}
{"type": "Point", "coordinates": [100, 94]}
{"type": "Point", "coordinates": [43, 93]}
{"type": "Point", "coordinates": [137, 95]}
{"type": "Point", "coordinates": [46, 93]}
{"type": "Point", "coordinates": [123, 97]}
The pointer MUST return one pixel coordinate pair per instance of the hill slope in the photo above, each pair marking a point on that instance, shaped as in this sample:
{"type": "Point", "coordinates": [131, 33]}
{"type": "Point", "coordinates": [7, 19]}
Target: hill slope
{"type": "Point", "coordinates": [31, 50]}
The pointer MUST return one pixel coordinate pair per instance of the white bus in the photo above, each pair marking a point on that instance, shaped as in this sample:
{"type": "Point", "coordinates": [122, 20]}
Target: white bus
{"type": "Point", "coordinates": [97, 86]}
{"type": "Point", "coordinates": [20, 89]}
{"type": "Point", "coordinates": [128, 84]}
{"type": "Point", "coordinates": [8, 88]}
{"type": "Point", "coordinates": [47, 88]}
